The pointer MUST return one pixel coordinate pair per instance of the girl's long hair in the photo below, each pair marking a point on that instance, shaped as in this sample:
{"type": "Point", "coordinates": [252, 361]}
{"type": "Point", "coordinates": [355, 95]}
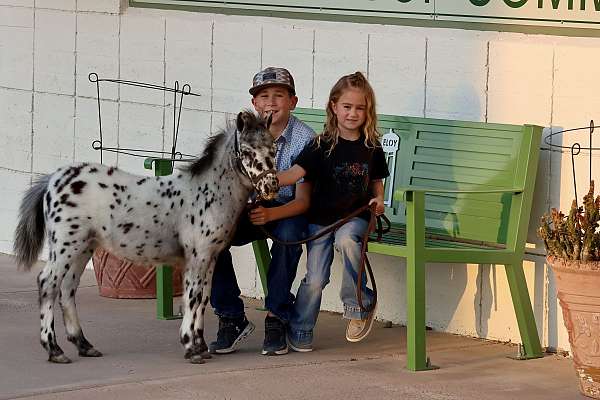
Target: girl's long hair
{"type": "Point", "coordinates": [331, 132]}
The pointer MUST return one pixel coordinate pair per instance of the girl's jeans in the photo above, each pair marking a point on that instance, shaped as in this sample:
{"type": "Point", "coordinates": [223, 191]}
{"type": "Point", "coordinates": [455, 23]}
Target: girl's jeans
{"type": "Point", "coordinates": [347, 240]}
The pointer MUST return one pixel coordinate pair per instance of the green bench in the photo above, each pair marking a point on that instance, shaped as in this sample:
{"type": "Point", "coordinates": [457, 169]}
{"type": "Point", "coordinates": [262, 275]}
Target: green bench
{"type": "Point", "coordinates": [458, 192]}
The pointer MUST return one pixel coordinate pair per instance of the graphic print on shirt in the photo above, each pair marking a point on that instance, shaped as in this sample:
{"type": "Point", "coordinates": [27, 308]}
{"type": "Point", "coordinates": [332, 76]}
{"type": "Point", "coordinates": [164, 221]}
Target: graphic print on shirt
{"type": "Point", "coordinates": [351, 178]}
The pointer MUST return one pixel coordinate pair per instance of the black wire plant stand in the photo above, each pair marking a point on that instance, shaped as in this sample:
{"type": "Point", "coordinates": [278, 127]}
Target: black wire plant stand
{"type": "Point", "coordinates": [164, 158]}
{"type": "Point", "coordinates": [161, 161]}
{"type": "Point", "coordinates": [575, 149]}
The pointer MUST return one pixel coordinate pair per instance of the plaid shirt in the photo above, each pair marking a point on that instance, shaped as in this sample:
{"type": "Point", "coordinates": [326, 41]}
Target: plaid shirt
{"type": "Point", "coordinates": [289, 144]}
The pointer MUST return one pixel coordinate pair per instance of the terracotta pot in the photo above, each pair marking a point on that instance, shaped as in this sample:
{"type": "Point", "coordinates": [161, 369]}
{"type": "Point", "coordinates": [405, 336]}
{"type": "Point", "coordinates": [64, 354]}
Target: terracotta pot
{"type": "Point", "coordinates": [578, 286]}
{"type": "Point", "coordinates": [122, 279]}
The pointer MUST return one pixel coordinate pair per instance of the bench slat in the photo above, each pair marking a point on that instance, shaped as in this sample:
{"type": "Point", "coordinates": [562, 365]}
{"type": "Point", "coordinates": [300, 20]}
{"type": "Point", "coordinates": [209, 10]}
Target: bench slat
{"type": "Point", "coordinates": [457, 162]}
{"type": "Point", "coordinates": [461, 155]}
{"type": "Point", "coordinates": [433, 239]}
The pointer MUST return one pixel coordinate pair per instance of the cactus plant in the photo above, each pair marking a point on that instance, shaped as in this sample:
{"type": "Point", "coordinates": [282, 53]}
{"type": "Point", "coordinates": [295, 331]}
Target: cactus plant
{"type": "Point", "coordinates": [575, 236]}
{"type": "Point", "coordinates": [573, 246]}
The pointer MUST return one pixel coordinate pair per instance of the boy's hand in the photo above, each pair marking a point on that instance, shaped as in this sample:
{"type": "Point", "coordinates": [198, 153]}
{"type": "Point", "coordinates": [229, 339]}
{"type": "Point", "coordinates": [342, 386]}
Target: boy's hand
{"type": "Point", "coordinates": [379, 207]}
{"type": "Point", "coordinates": [260, 215]}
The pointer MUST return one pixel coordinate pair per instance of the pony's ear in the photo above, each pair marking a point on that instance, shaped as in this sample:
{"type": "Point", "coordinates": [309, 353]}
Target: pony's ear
{"type": "Point", "coordinates": [240, 122]}
{"type": "Point", "coordinates": [269, 120]}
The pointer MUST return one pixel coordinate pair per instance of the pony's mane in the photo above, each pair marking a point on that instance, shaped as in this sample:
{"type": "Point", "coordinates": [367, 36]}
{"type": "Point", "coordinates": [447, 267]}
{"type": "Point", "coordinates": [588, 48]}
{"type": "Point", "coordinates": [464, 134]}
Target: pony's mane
{"type": "Point", "coordinates": [208, 156]}
{"type": "Point", "coordinates": [251, 123]}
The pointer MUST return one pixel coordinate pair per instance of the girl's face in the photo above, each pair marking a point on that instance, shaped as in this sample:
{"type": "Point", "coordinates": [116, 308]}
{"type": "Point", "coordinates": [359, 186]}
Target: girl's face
{"type": "Point", "coordinates": [350, 110]}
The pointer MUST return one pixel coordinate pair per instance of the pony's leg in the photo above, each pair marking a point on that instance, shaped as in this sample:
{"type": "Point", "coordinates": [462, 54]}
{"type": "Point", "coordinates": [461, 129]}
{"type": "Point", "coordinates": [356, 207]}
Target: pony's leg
{"type": "Point", "coordinates": [48, 281]}
{"type": "Point", "coordinates": [202, 303]}
{"type": "Point", "coordinates": [192, 292]}
{"type": "Point", "coordinates": [68, 289]}
{"type": "Point", "coordinates": [198, 336]}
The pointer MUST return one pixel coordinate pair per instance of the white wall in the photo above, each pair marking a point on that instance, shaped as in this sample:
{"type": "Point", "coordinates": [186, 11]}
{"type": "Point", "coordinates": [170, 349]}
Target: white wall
{"type": "Point", "coordinates": [48, 115]}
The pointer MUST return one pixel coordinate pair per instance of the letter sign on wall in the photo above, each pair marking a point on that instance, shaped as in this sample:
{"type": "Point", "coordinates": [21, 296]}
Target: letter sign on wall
{"type": "Point", "coordinates": [554, 13]}
{"type": "Point", "coordinates": [571, 13]}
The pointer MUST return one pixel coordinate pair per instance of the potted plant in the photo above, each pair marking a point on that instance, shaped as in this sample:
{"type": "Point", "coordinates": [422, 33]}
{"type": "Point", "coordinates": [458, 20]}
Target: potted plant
{"type": "Point", "coordinates": [573, 252]}
{"type": "Point", "coordinates": [123, 279]}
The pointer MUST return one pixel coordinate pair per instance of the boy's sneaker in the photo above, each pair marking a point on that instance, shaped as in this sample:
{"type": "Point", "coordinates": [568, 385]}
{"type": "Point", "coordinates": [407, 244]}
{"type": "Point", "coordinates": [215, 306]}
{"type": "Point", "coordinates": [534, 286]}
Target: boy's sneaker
{"type": "Point", "coordinates": [358, 329]}
{"type": "Point", "coordinates": [231, 332]}
{"type": "Point", "coordinates": [297, 345]}
{"type": "Point", "coordinates": [275, 343]}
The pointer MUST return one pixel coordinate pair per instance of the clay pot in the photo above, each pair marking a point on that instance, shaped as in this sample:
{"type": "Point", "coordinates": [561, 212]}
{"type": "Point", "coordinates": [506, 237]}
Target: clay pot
{"type": "Point", "coordinates": [122, 279]}
{"type": "Point", "coordinates": [578, 284]}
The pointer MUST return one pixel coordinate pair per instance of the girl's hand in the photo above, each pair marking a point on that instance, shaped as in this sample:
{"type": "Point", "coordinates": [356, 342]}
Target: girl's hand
{"type": "Point", "coordinates": [260, 215]}
{"type": "Point", "coordinates": [379, 207]}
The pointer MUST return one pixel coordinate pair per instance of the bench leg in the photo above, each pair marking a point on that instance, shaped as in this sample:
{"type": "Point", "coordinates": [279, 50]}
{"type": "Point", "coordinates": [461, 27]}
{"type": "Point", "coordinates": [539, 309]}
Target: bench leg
{"type": "Point", "coordinates": [164, 292]}
{"type": "Point", "coordinates": [263, 259]}
{"type": "Point", "coordinates": [164, 273]}
{"type": "Point", "coordinates": [523, 311]}
{"type": "Point", "coordinates": [416, 356]}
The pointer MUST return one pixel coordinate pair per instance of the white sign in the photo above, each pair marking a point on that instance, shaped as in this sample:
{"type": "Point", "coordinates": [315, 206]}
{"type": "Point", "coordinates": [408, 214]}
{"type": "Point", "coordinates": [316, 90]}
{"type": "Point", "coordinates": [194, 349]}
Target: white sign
{"type": "Point", "coordinates": [390, 142]}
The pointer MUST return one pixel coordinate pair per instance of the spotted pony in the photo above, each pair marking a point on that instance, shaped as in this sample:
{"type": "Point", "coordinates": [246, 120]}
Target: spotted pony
{"type": "Point", "coordinates": [186, 217]}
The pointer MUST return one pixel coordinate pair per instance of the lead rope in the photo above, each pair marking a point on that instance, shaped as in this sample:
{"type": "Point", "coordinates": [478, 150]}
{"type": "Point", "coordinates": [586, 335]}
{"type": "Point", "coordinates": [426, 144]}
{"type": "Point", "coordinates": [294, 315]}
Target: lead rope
{"type": "Point", "coordinates": [364, 260]}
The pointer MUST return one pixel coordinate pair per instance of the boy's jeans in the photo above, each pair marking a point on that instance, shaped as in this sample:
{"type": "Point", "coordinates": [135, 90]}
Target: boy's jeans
{"type": "Point", "coordinates": [225, 294]}
{"type": "Point", "coordinates": [347, 240]}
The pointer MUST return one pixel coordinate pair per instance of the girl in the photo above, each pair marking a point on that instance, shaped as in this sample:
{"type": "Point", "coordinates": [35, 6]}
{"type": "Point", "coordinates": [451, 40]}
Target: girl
{"type": "Point", "coordinates": [346, 166]}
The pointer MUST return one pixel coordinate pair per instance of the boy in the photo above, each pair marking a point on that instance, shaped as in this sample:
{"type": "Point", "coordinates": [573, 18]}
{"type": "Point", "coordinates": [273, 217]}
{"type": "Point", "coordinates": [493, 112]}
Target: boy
{"type": "Point", "coordinates": [273, 91]}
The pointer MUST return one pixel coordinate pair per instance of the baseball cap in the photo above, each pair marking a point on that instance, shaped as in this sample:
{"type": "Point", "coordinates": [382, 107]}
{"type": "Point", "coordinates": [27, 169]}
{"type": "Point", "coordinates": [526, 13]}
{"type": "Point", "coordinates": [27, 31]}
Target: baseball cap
{"type": "Point", "coordinates": [272, 76]}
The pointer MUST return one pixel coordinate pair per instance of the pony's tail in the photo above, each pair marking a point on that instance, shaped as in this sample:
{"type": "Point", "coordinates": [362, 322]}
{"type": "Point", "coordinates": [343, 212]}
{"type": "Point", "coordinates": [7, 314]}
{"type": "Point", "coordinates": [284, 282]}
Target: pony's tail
{"type": "Point", "coordinates": [31, 229]}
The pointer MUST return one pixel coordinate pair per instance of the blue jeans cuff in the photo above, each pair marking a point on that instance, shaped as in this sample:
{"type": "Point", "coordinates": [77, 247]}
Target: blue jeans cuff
{"type": "Point", "coordinates": [351, 312]}
{"type": "Point", "coordinates": [301, 337]}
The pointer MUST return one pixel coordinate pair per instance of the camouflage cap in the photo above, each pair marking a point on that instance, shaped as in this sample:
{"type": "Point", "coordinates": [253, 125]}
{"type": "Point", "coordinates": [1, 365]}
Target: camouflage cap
{"type": "Point", "coordinates": [272, 76]}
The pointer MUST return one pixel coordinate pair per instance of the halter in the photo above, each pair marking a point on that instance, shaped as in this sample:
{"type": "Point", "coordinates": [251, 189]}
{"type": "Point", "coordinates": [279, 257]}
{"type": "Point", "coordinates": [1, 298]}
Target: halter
{"type": "Point", "coordinates": [238, 161]}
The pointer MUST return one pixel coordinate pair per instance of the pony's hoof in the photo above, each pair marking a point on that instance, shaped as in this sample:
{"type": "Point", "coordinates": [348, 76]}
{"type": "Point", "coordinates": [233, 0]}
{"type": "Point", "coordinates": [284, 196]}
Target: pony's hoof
{"type": "Point", "coordinates": [197, 359]}
{"type": "Point", "coordinates": [59, 359]}
{"type": "Point", "coordinates": [90, 353]}
{"type": "Point", "coordinates": [195, 351]}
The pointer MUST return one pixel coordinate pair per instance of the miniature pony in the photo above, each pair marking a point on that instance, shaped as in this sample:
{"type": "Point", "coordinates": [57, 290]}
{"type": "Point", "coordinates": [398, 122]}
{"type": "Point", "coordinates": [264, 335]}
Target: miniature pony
{"type": "Point", "coordinates": [189, 217]}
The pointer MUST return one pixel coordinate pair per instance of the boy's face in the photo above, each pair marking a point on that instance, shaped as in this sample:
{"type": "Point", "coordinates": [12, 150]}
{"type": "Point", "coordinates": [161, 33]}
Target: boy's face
{"type": "Point", "coordinates": [278, 101]}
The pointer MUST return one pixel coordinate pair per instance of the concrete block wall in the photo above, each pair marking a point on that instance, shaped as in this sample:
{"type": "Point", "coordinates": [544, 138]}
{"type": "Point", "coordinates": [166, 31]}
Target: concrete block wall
{"type": "Point", "coordinates": [48, 114]}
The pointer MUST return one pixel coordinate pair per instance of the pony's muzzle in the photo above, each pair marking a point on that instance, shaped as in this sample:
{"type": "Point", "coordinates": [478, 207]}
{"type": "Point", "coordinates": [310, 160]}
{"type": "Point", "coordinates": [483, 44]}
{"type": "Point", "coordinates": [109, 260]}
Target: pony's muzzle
{"type": "Point", "coordinates": [270, 187]}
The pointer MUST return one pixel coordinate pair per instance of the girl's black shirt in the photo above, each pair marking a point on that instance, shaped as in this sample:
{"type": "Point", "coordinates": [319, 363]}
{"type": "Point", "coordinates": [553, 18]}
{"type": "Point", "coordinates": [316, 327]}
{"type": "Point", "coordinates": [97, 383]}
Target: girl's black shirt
{"type": "Point", "coordinates": [341, 180]}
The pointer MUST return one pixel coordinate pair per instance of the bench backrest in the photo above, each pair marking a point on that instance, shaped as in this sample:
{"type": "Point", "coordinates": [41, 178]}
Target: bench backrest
{"type": "Point", "coordinates": [459, 155]}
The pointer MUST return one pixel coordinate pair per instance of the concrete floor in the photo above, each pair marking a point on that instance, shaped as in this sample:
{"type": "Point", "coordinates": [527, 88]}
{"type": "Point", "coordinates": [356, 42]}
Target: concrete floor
{"type": "Point", "coordinates": [143, 359]}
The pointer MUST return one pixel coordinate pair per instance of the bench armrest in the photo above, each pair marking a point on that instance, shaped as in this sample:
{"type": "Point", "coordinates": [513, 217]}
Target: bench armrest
{"type": "Point", "coordinates": [399, 193]}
